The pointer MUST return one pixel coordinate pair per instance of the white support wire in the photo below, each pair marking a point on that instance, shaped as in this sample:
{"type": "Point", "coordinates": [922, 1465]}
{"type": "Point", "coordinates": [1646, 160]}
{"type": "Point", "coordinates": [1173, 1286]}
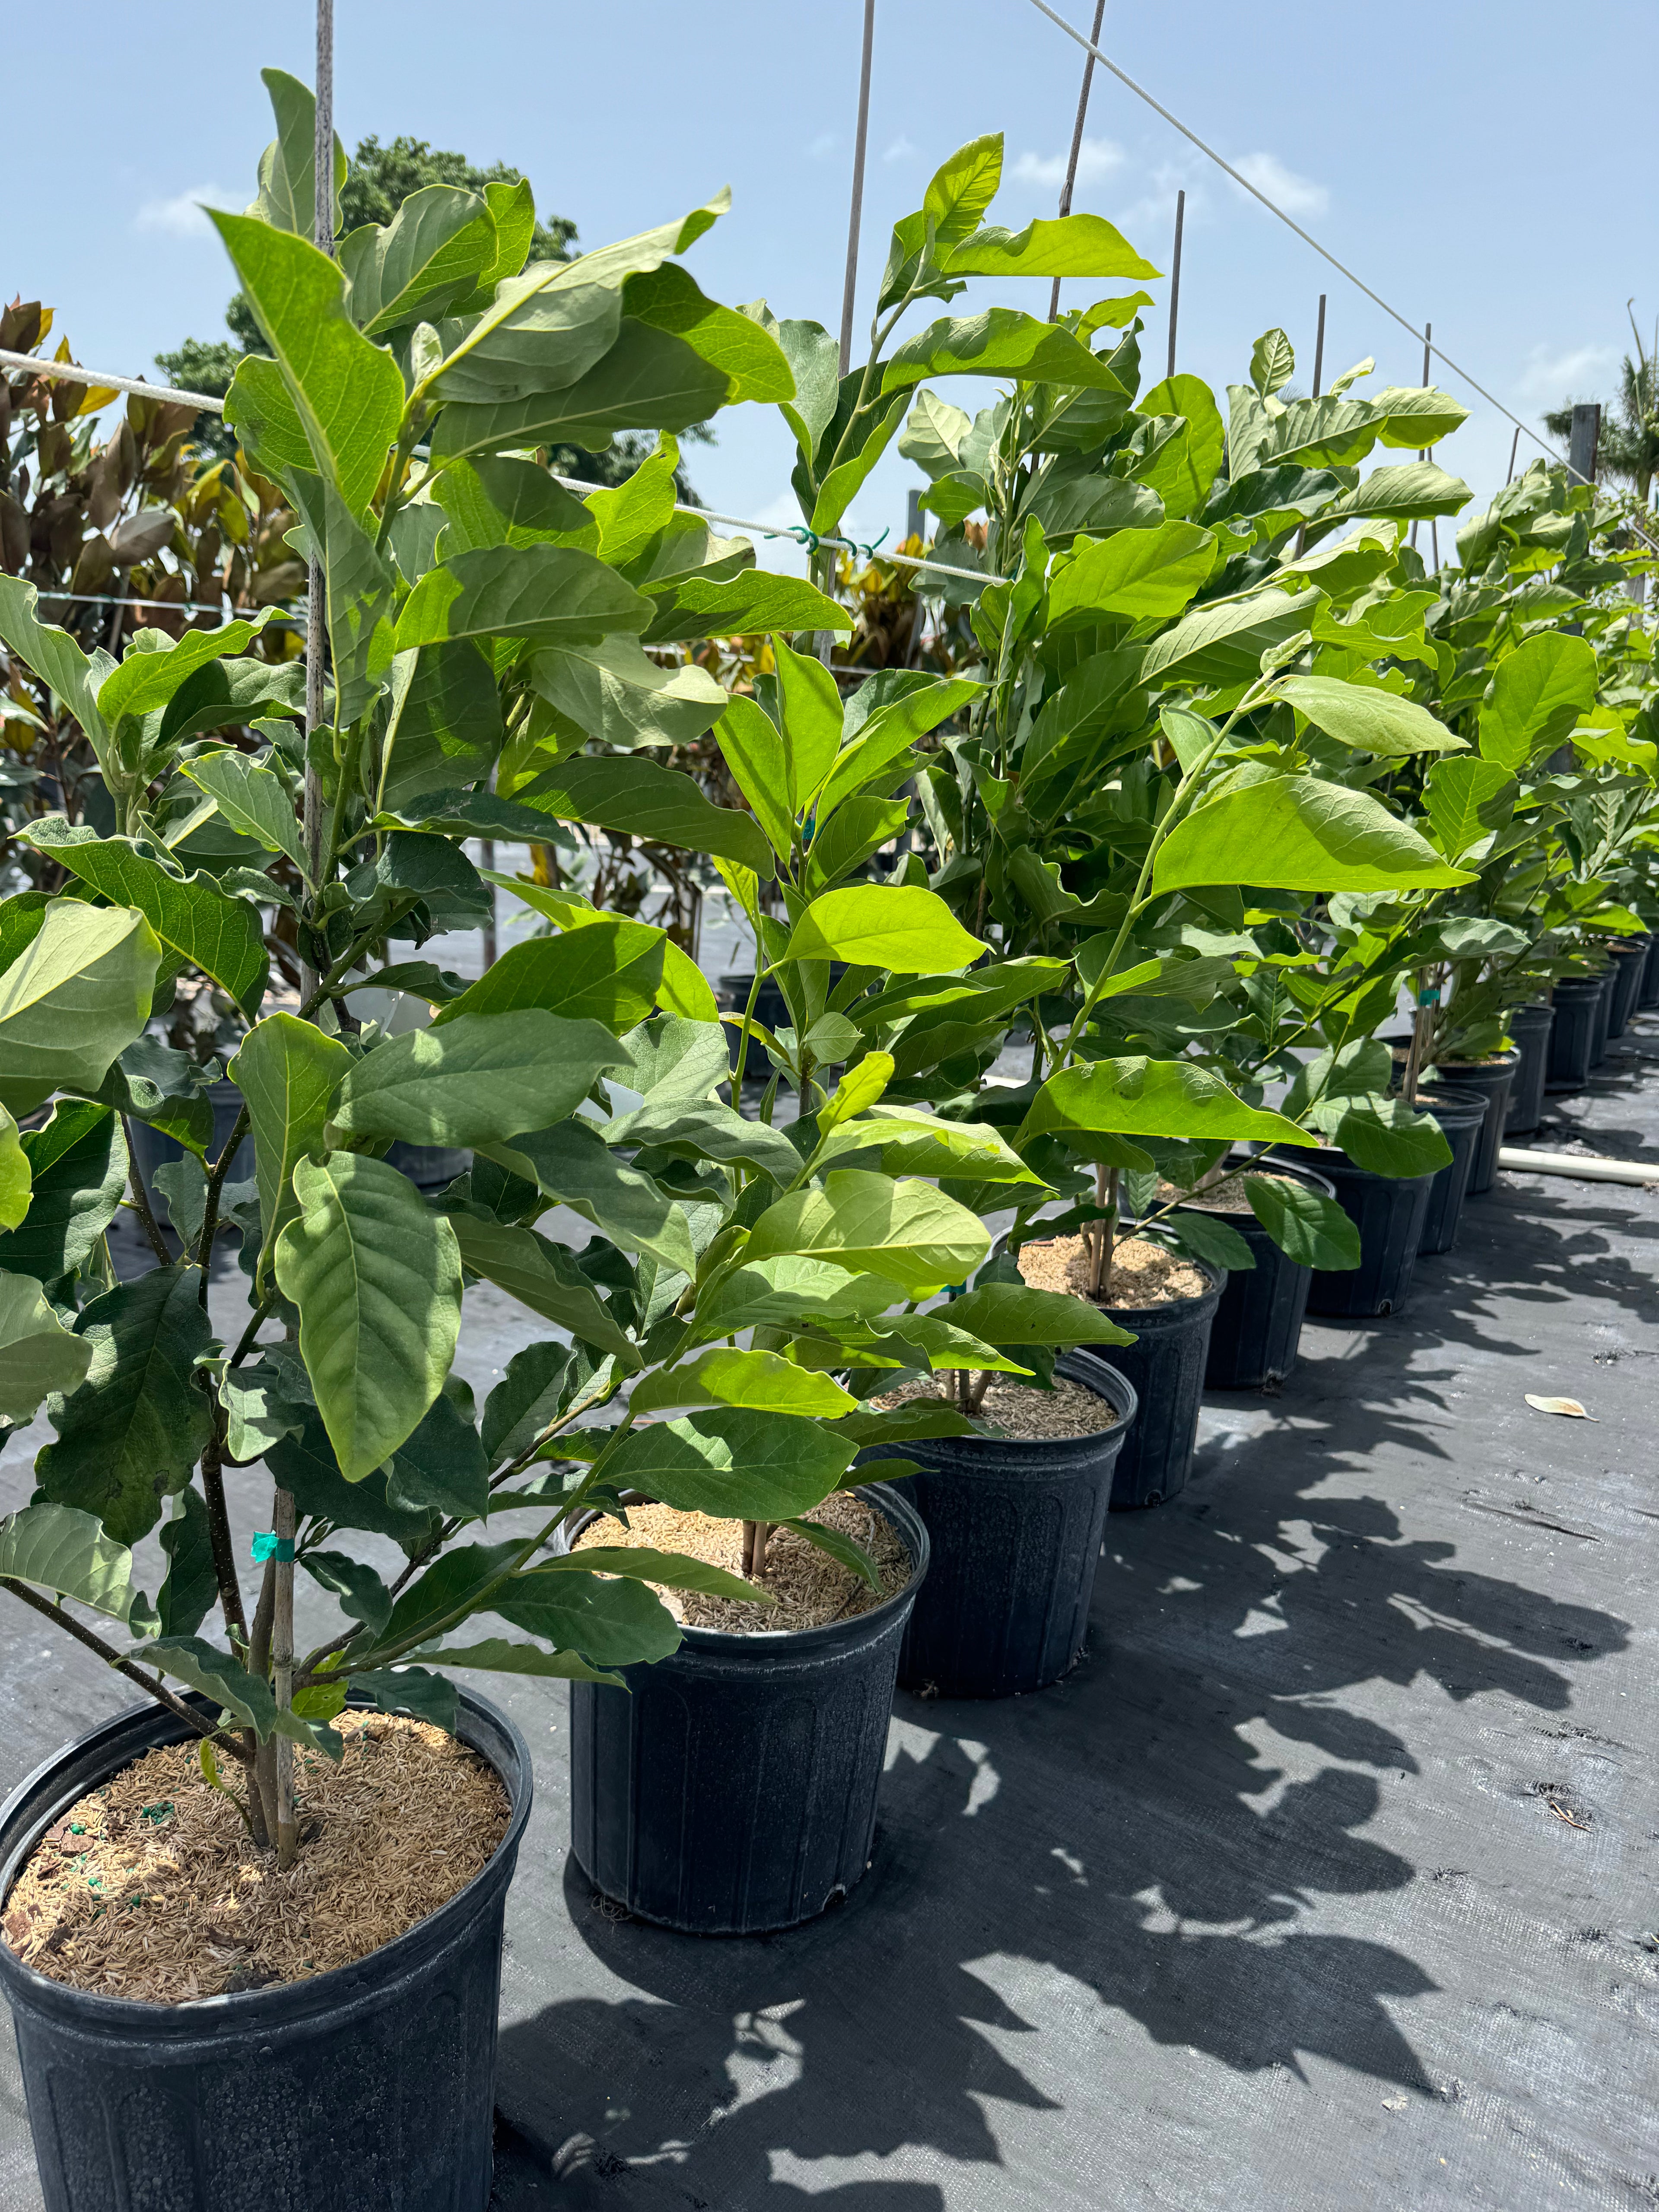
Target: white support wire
{"type": "Point", "coordinates": [1306, 238]}
{"type": "Point", "coordinates": [73, 375]}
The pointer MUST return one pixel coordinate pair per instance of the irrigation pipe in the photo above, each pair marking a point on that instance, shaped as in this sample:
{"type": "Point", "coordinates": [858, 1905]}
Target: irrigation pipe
{"type": "Point", "coordinates": [1588, 1167]}
{"type": "Point", "coordinates": [1307, 237]}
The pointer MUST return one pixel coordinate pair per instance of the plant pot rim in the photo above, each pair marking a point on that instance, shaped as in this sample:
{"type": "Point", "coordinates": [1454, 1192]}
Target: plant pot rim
{"type": "Point", "coordinates": [810, 1643]}
{"type": "Point", "coordinates": [1215, 1283]}
{"type": "Point", "coordinates": [282, 2003]}
{"type": "Point", "coordinates": [1242, 1165]}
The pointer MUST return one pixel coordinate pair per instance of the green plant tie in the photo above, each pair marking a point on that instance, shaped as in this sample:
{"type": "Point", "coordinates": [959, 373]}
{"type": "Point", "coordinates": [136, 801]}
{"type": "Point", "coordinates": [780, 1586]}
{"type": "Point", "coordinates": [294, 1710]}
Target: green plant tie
{"type": "Point", "coordinates": [267, 1544]}
{"type": "Point", "coordinates": [1429, 998]}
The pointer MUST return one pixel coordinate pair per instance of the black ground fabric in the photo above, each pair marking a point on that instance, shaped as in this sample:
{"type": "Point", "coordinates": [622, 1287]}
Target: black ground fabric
{"type": "Point", "coordinates": [1329, 1880]}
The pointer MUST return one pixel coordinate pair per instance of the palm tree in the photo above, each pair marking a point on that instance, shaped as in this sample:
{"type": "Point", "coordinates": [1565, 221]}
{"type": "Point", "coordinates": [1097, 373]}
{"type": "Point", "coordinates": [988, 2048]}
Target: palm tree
{"type": "Point", "coordinates": [1629, 450]}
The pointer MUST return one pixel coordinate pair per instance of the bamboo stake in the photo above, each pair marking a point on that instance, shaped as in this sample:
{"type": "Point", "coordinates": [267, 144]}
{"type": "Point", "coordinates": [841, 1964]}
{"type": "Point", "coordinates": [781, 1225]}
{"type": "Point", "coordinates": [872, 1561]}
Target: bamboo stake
{"type": "Point", "coordinates": [1070, 184]}
{"type": "Point", "coordinates": [284, 1519]}
{"type": "Point", "coordinates": [1175, 276]}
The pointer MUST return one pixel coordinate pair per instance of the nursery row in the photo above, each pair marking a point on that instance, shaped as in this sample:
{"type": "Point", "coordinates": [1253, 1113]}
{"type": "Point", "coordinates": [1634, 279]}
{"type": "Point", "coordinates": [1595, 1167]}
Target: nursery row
{"type": "Point", "coordinates": [1206, 774]}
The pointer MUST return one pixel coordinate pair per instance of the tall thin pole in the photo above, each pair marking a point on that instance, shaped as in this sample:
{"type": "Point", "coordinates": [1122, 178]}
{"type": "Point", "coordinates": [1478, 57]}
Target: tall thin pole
{"type": "Point", "coordinates": [323, 238]}
{"type": "Point", "coordinates": [1319, 350]}
{"type": "Point", "coordinates": [1423, 451]}
{"type": "Point", "coordinates": [1514, 447]}
{"type": "Point", "coordinates": [1070, 184]}
{"type": "Point", "coordinates": [856, 215]}
{"type": "Point", "coordinates": [1175, 276]}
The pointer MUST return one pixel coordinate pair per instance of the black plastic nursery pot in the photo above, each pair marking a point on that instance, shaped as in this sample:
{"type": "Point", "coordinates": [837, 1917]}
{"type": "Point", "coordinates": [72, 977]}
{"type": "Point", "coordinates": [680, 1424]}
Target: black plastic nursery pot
{"type": "Point", "coordinates": [1649, 995]}
{"type": "Point", "coordinates": [1602, 1016]}
{"type": "Point", "coordinates": [730, 1789]}
{"type": "Point", "coordinates": [371, 2085]}
{"type": "Point", "coordinates": [1530, 1026]}
{"type": "Point", "coordinates": [1494, 1080]}
{"type": "Point", "coordinates": [1014, 1525]}
{"type": "Point", "coordinates": [1165, 1367]}
{"type": "Point", "coordinates": [1629, 970]}
{"type": "Point", "coordinates": [1258, 1322]}
{"type": "Point", "coordinates": [1462, 1116]}
{"type": "Point", "coordinates": [1572, 1036]}
{"type": "Point", "coordinates": [1388, 1211]}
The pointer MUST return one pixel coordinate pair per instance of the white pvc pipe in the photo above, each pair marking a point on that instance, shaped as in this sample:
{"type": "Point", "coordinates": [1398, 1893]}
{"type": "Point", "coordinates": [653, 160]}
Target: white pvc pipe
{"type": "Point", "coordinates": [1586, 1166]}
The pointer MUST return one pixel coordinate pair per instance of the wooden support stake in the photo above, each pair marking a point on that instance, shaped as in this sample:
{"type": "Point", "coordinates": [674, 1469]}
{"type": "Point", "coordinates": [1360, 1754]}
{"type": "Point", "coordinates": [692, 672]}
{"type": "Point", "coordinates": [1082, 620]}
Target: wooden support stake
{"type": "Point", "coordinates": [1070, 184]}
{"type": "Point", "coordinates": [1175, 276]}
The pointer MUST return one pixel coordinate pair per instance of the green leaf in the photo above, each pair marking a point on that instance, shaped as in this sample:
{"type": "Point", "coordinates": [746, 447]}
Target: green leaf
{"type": "Point", "coordinates": [1209, 1237]}
{"type": "Point", "coordinates": [524, 1400]}
{"type": "Point", "coordinates": [1540, 688]}
{"type": "Point", "coordinates": [1272, 362]}
{"type": "Point", "coordinates": [78, 1163]}
{"type": "Point", "coordinates": [428, 257]}
{"type": "Point", "coordinates": [349, 394]}
{"type": "Point", "coordinates": [54, 656]}
{"type": "Point", "coordinates": [571, 1163]}
{"type": "Point", "coordinates": [543, 1276]}
{"type": "Point", "coordinates": [1223, 643]}
{"type": "Point", "coordinates": [706, 1130]}
{"type": "Point", "coordinates": [1466, 800]}
{"type": "Point", "coordinates": [907, 1232]}
{"type": "Point", "coordinates": [912, 1142]}
{"type": "Point", "coordinates": [306, 1465]}
{"type": "Point", "coordinates": [659, 804]}
{"type": "Point", "coordinates": [751, 745]}
{"type": "Point", "coordinates": [498, 1655]}
{"type": "Point", "coordinates": [962, 188]}
{"type": "Point", "coordinates": [998, 342]}
{"type": "Point", "coordinates": [611, 692]}
{"type": "Point", "coordinates": [362, 1595]}
{"type": "Point", "coordinates": [549, 594]}
{"type": "Point", "coordinates": [677, 1060]}
{"type": "Point", "coordinates": [227, 694]}
{"type": "Point", "coordinates": [928, 1340]}
{"type": "Point", "coordinates": [789, 1291]}
{"type": "Point", "coordinates": [1372, 721]}
{"type": "Point", "coordinates": [671, 1570]}
{"type": "Point", "coordinates": [444, 728]}
{"type": "Point", "coordinates": [15, 1177]}
{"type": "Point", "coordinates": [1137, 573]}
{"type": "Point", "coordinates": [810, 722]}
{"type": "Point", "coordinates": [911, 1422]}
{"type": "Point", "coordinates": [1297, 833]}
{"type": "Point", "coordinates": [59, 1549]}
{"type": "Point", "coordinates": [649, 380]}
{"type": "Point", "coordinates": [252, 798]}
{"type": "Point", "coordinates": [1390, 1138]}
{"type": "Point", "coordinates": [476, 1079]}
{"type": "Point", "coordinates": [694, 607]}
{"type": "Point", "coordinates": [441, 1465]}
{"type": "Point", "coordinates": [1417, 491]}
{"type": "Point", "coordinates": [611, 1621]}
{"type": "Point", "coordinates": [733, 1464]}
{"type": "Point", "coordinates": [1067, 246]}
{"type": "Point", "coordinates": [358, 595]}
{"type": "Point", "coordinates": [844, 482]}
{"type": "Point", "coordinates": [1140, 1098]}
{"type": "Point", "coordinates": [414, 1690]}
{"type": "Point", "coordinates": [1307, 1225]}
{"type": "Point", "coordinates": [290, 1074]}
{"type": "Point", "coordinates": [222, 937]}
{"type": "Point", "coordinates": [183, 1185]}
{"type": "Point", "coordinates": [151, 1082]}
{"type": "Point", "coordinates": [75, 996]}
{"type": "Point", "coordinates": [667, 298]}
{"type": "Point", "coordinates": [288, 167]}
{"type": "Point", "coordinates": [249, 1701]}
{"type": "Point", "coordinates": [1012, 1313]}
{"type": "Point", "coordinates": [134, 1430]}
{"type": "Point", "coordinates": [190, 1589]}
{"type": "Point", "coordinates": [899, 927]}
{"type": "Point", "coordinates": [377, 1278]}
{"type": "Point", "coordinates": [608, 972]}
{"type": "Point", "coordinates": [728, 1377]}
{"type": "Point", "coordinates": [263, 1401]}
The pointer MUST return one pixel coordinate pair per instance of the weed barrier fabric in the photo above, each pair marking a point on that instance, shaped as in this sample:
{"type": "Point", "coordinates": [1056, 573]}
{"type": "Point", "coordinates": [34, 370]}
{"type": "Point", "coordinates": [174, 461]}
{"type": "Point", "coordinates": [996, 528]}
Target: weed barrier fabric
{"type": "Point", "coordinates": [1321, 1882]}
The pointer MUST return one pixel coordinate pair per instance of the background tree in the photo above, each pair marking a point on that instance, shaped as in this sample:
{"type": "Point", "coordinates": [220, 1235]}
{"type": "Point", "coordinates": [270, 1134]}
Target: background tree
{"type": "Point", "coordinates": [1629, 451]}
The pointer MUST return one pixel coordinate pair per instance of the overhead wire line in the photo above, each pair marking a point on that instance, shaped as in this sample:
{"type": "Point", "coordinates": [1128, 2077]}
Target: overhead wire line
{"type": "Point", "coordinates": [1307, 237]}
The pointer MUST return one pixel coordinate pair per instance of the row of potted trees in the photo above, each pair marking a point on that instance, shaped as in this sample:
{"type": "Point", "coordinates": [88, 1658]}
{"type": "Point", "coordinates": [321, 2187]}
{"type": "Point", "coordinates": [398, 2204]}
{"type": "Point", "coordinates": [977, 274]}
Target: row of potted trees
{"type": "Point", "coordinates": [1231, 771]}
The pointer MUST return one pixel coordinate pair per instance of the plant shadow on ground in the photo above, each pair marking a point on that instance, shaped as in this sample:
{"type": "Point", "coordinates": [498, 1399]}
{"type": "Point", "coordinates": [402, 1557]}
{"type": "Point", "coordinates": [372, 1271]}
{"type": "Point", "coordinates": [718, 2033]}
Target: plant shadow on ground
{"type": "Point", "coordinates": [1122, 1844]}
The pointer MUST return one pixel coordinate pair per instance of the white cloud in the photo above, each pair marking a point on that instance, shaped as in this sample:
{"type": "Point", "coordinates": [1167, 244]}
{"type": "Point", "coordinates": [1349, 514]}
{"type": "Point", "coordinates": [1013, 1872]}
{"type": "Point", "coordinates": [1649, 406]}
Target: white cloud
{"type": "Point", "coordinates": [823, 145]}
{"type": "Point", "coordinates": [182, 216]}
{"type": "Point", "coordinates": [1551, 377]}
{"type": "Point", "coordinates": [1149, 223]}
{"type": "Point", "coordinates": [1096, 158]}
{"type": "Point", "coordinates": [1296, 195]}
{"type": "Point", "coordinates": [901, 150]}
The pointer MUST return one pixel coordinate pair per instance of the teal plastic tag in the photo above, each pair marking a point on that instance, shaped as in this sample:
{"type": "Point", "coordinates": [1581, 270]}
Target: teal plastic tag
{"type": "Point", "coordinates": [268, 1546]}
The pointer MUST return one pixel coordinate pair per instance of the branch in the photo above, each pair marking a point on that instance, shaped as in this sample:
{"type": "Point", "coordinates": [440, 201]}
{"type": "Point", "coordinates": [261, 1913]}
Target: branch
{"type": "Point", "coordinates": [111, 1657]}
{"type": "Point", "coordinates": [140, 1204]}
{"type": "Point", "coordinates": [215, 1184]}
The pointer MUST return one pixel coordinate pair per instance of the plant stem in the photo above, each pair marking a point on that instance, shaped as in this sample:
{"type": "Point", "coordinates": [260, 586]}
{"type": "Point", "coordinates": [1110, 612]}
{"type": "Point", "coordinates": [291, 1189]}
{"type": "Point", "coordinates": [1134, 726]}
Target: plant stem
{"type": "Point", "coordinates": [215, 1184]}
{"type": "Point", "coordinates": [111, 1657]}
{"type": "Point", "coordinates": [140, 1204]}
{"type": "Point", "coordinates": [283, 1521]}
{"type": "Point", "coordinates": [1105, 1232]}
{"type": "Point", "coordinates": [761, 974]}
{"type": "Point", "coordinates": [224, 1550]}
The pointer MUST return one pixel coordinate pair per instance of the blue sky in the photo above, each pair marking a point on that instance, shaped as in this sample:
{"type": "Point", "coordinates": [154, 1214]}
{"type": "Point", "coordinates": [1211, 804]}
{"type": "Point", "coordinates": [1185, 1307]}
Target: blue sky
{"type": "Point", "coordinates": [1475, 166]}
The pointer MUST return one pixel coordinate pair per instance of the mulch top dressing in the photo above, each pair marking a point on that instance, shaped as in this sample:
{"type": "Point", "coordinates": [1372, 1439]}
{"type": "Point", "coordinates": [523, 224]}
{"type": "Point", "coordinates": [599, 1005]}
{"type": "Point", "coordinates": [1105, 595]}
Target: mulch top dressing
{"type": "Point", "coordinates": [1143, 1273]}
{"type": "Point", "coordinates": [150, 1888]}
{"type": "Point", "coordinates": [1012, 1408]}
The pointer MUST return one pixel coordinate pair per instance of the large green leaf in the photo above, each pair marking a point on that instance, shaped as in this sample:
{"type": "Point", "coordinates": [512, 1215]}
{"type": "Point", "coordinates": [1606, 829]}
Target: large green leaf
{"type": "Point", "coordinates": [611, 1621]}
{"type": "Point", "coordinates": [659, 804]}
{"type": "Point", "coordinates": [789, 1292]}
{"type": "Point", "coordinates": [572, 1162]}
{"type": "Point", "coordinates": [219, 1676]}
{"type": "Point", "coordinates": [1065, 246]}
{"type": "Point", "coordinates": [38, 1354]}
{"type": "Point", "coordinates": [900, 927]}
{"type": "Point", "coordinates": [305, 1464]}
{"type": "Point", "coordinates": [751, 745]}
{"type": "Point", "coordinates": [191, 1588]}
{"type": "Point", "coordinates": [648, 379]}
{"type": "Point", "coordinates": [524, 1400]}
{"type": "Point", "coordinates": [76, 995]}
{"type": "Point", "coordinates": [809, 717]}
{"type": "Point", "coordinates": [230, 693]}
{"type": "Point", "coordinates": [68, 1552]}
{"type": "Point", "coordinates": [444, 725]}
{"type": "Point", "coordinates": [1307, 1225]}
{"type": "Point", "coordinates": [610, 690]}
{"type": "Point", "coordinates": [668, 298]}
{"type": "Point", "coordinates": [669, 1570]}
{"type": "Point", "coordinates": [733, 1464]}
{"type": "Point", "coordinates": [1013, 1312]}
{"type": "Point", "coordinates": [998, 342]}
{"type": "Point", "coordinates": [1140, 1098]}
{"type": "Point", "coordinates": [907, 1232]}
{"type": "Point", "coordinates": [290, 1074]}
{"type": "Point", "coordinates": [288, 167]}
{"type": "Point", "coordinates": [1136, 573]}
{"type": "Point", "coordinates": [155, 669]}
{"type": "Point", "coordinates": [608, 972]}
{"type": "Point", "coordinates": [706, 1130]}
{"type": "Point", "coordinates": [543, 1276]}
{"type": "Point", "coordinates": [1223, 642]}
{"type": "Point", "coordinates": [420, 263]}
{"type": "Point", "coordinates": [1184, 469]}
{"type": "Point", "coordinates": [1414, 491]}
{"type": "Point", "coordinates": [377, 1278]}
{"type": "Point", "coordinates": [1539, 689]}
{"type": "Point", "coordinates": [475, 1080]}
{"type": "Point", "coordinates": [53, 655]}
{"type": "Point", "coordinates": [762, 1380]}
{"type": "Point", "coordinates": [1297, 833]}
{"type": "Point", "coordinates": [1390, 1138]}
{"type": "Point", "coordinates": [349, 394]}
{"type": "Point", "coordinates": [911, 1142]}
{"type": "Point", "coordinates": [134, 1428]}
{"type": "Point", "coordinates": [222, 936]}
{"type": "Point", "coordinates": [15, 1178]}
{"type": "Point", "coordinates": [252, 798]}
{"type": "Point", "coordinates": [1467, 800]}
{"type": "Point", "coordinates": [1369, 720]}
{"type": "Point", "coordinates": [77, 1164]}
{"type": "Point", "coordinates": [442, 1465]}
{"type": "Point", "coordinates": [358, 594]}
{"type": "Point", "coordinates": [549, 594]}
{"type": "Point", "coordinates": [694, 607]}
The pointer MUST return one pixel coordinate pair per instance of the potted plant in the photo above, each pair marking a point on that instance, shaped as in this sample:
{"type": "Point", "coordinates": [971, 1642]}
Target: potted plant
{"type": "Point", "coordinates": [451, 630]}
